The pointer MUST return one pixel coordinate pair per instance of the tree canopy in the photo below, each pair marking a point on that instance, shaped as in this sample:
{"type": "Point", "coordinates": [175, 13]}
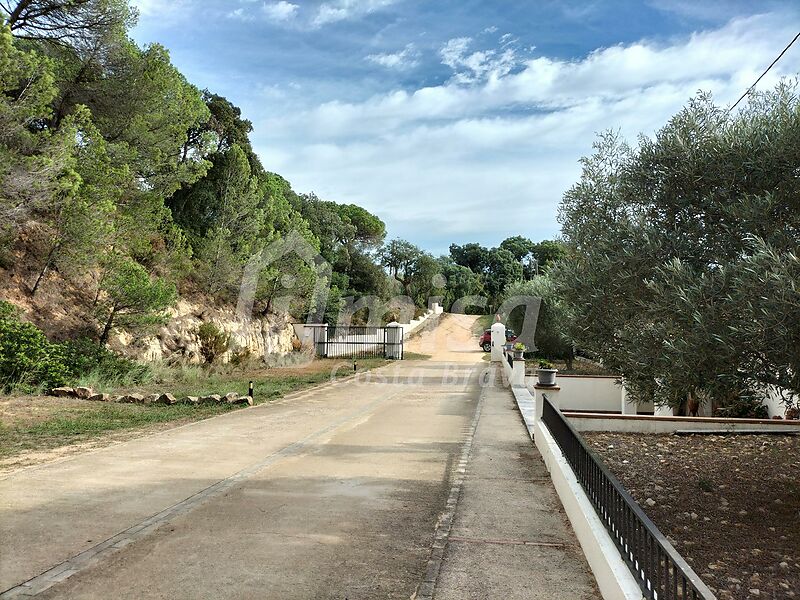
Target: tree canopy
{"type": "Point", "coordinates": [682, 252]}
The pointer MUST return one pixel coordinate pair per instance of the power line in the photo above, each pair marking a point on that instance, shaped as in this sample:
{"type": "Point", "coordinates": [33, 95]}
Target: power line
{"type": "Point", "coordinates": [772, 64]}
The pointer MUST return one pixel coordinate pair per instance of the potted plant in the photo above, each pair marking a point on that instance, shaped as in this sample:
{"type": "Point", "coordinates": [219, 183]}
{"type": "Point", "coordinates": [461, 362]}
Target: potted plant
{"type": "Point", "coordinates": [519, 349]}
{"type": "Point", "coordinates": [546, 374]}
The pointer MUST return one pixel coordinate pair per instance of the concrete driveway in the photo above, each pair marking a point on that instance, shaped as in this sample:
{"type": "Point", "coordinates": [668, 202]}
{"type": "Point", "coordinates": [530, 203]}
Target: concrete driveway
{"type": "Point", "coordinates": [336, 493]}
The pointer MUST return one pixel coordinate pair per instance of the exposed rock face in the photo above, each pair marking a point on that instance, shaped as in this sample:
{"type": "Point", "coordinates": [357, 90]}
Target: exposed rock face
{"type": "Point", "coordinates": [257, 338]}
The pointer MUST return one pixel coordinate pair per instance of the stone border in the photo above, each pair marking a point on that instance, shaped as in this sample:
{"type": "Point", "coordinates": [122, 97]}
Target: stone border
{"type": "Point", "coordinates": [611, 573]}
{"type": "Point", "coordinates": [85, 393]}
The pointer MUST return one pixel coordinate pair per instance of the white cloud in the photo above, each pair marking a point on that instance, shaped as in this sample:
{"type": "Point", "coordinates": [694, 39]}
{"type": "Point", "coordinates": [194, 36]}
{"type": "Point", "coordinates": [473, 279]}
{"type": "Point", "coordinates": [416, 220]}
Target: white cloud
{"type": "Point", "coordinates": [469, 67]}
{"type": "Point", "coordinates": [407, 58]}
{"type": "Point", "coordinates": [490, 152]}
{"type": "Point", "coordinates": [342, 10]}
{"type": "Point", "coordinates": [280, 11]}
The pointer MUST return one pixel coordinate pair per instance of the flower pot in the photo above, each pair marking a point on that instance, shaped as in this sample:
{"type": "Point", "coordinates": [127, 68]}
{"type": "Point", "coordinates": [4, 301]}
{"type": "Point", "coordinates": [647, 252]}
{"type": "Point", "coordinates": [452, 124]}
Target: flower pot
{"type": "Point", "coordinates": [546, 377]}
{"type": "Point", "coordinates": [518, 354]}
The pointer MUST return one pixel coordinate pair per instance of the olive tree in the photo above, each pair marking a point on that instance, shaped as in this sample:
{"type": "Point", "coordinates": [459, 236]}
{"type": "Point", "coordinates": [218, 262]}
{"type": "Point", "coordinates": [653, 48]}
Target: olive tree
{"type": "Point", "coordinates": [681, 253]}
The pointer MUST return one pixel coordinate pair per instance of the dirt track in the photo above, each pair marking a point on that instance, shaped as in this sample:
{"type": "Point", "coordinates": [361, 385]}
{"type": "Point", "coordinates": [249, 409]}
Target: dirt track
{"type": "Point", "coordinates": [451, 341]}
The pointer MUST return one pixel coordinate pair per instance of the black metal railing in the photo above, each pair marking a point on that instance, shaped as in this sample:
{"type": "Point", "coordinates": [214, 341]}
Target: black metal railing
{"type": "Point", "coordinates": [660, 571]}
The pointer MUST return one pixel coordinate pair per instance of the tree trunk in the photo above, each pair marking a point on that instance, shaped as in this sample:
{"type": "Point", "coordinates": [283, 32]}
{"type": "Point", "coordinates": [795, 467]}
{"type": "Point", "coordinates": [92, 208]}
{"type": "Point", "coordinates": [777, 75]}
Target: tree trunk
{"type": "Point", "coordinates": [44, 270]}
{"type": "Point", "coordinates": [270, 296]}
{"type": "Point", "coordinates": [107, 328]}
{"type": "Point", "coordinates": [97, 294]}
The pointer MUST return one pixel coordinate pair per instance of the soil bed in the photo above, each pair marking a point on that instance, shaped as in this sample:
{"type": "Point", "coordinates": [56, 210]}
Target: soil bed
{"type": "Point", "coordinates": [730, 504]}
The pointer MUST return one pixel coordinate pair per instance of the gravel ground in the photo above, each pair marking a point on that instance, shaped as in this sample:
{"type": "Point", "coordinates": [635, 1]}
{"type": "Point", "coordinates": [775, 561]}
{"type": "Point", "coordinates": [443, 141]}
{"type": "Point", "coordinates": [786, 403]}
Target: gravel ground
{"type": "Point", "coordinates": [730, 504]}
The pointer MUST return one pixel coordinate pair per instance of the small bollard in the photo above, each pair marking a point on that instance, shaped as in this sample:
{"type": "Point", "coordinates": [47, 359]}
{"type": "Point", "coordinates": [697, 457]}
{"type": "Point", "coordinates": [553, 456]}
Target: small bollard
{"type": "Point", "coordinates": [250, 391]}
{"type": "Point", "coordinates": [355, 367]}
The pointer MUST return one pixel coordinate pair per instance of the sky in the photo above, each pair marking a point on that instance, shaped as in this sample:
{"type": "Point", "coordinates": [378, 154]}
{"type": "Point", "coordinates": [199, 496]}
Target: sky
{"type": "Point", "coordinates": [462, 121]}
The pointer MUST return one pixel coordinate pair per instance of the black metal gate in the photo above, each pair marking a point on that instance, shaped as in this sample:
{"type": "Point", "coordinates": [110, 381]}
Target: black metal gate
{"type": "Point", "coordinates": [363, 342]}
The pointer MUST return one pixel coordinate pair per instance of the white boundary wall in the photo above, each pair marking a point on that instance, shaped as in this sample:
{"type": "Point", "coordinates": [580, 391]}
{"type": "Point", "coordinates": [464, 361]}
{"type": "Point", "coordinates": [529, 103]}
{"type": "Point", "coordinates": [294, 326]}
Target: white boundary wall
{"type": "Point", "coordinates": [591, 393]}
{"type": "Point", "coordinates": [414, 324]}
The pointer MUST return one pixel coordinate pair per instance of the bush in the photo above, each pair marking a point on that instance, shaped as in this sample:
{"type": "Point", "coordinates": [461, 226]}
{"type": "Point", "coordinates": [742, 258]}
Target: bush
{"type": "Point", "coordinates": [26, 356]}
{"type": "Point", "coordinates": [28, 360]}
{"type": "Point", "coordinates": [213, 341]}
{"type": "Point", "coordinates": [744, 407]}
{"type": "Point", "coordinates": [84, 358]}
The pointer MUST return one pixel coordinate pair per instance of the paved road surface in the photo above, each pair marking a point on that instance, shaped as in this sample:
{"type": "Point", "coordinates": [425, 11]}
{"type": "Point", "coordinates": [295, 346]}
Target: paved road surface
{"type": "Point", "coordinates": [336, 493]}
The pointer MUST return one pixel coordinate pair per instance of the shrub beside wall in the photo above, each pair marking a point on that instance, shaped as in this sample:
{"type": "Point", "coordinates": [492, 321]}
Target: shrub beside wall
{"type": "Point", "coordinates": [30, 362]}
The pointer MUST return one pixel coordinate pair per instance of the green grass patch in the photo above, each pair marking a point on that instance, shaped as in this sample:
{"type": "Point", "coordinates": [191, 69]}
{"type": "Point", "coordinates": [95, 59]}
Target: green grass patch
{"type": "Point", "coordinates": [75, 425]}
{"type": "Point", "coordinates": [52, 425]}
{"type": "Point", "coordinates": [483, 323]}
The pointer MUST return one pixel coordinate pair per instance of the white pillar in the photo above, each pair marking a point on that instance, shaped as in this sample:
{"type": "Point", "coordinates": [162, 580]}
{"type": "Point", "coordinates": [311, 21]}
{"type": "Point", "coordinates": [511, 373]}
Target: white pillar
{"type": "Point", "coordinates": [552, 393]}
{"type": "Point", "coordinates": [317, 334]}
{"type": "Point", "coordinates": [498, 341]}
{"type": "Point", "coordinates": [628, 408]}
{"type": "Point", "coordinates": [518, 373]}
{"type": "Point", "coordinates": [394, 341]}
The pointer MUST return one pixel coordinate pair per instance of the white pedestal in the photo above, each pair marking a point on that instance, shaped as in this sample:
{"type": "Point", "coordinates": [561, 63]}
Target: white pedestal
{"type": "Point", "coordinates": [498, 341]}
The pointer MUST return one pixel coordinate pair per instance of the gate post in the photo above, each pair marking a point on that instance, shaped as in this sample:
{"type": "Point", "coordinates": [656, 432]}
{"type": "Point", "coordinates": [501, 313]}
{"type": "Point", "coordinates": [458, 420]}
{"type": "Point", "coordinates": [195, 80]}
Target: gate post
{"type": "Point", "coordinates": [320, 337]}
{"type": "Point", "coordinates": [394, 341]}
{"type": "Point", "coordinates": [498, 341]}
{"type": "Point", "coordinates": [517, 378]}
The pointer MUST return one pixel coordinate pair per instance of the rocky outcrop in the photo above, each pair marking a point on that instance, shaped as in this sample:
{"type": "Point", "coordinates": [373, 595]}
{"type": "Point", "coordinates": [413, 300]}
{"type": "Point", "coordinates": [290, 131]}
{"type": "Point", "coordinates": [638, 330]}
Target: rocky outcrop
{"type": "Point", "coordinates": [256, 338]}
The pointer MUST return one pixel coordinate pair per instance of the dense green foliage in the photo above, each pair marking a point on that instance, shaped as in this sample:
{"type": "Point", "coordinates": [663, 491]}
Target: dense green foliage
{"type": "Point", "coordinates": [127, 169]}
{"type": "Point", "coordinates": [552, 337]}
{"type": "Point", "coordinates": [29, 361]}
{"type": "Point", "coordinates": [128, 182]}
{"type": "Point", "coordinates": [682, 264]}
{"type": "Point", "coordinates": [27, 357]}
{"type": "Point", "coordinates": [516, 259]}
